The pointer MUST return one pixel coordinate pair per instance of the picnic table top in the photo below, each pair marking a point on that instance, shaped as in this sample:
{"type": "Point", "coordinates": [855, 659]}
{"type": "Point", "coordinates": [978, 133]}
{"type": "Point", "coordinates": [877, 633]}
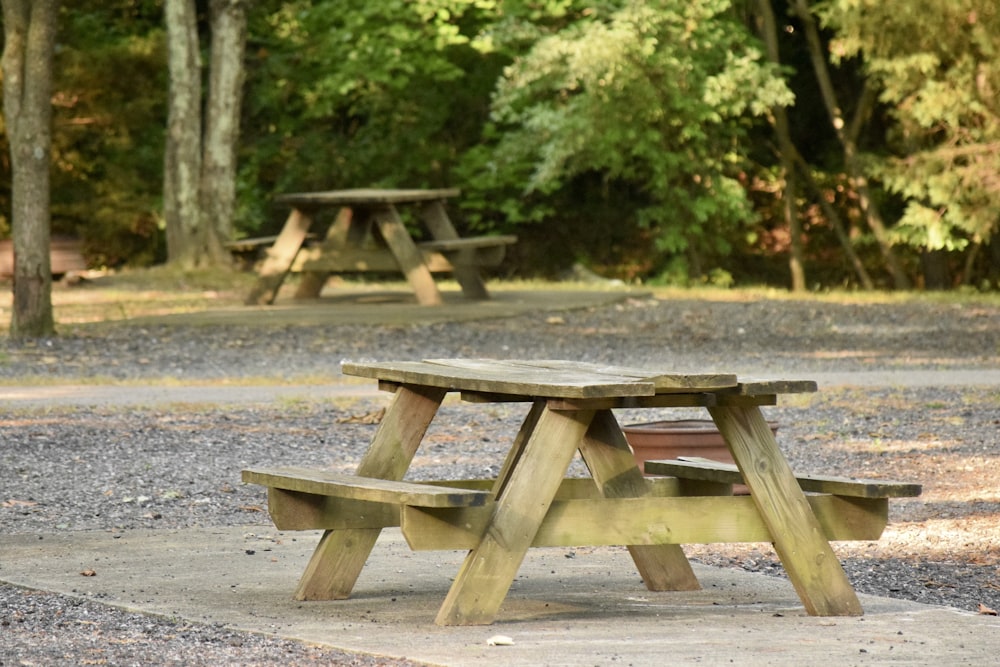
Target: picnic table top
{"type": "Point", "coordinates": [563, 379]}
{"type": "Point", "coordinates": [361, 196]}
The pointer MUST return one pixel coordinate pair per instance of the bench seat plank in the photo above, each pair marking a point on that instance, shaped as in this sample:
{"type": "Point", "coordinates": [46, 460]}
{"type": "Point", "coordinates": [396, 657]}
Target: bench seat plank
{"type": "Point", "coordinates": [727, 473]}
{"type": "Point", "coordinates": [344, 485]}
{"type": "Point", "coordinates": [467, 243]}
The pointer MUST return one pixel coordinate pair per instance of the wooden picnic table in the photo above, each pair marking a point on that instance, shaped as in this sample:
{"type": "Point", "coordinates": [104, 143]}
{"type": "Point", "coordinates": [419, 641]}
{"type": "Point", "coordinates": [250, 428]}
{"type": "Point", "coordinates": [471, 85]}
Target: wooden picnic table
{"type": "Point", "coordinates": [368, 235]}
{"type": "Point", "coordinates": [532, 503]}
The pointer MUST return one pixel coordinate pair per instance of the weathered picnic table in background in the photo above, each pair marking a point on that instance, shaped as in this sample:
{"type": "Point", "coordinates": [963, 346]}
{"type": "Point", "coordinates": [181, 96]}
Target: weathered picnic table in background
{"type": "Point", "coordinates": [368, 235]}
{"type": "Point", "coordinates": [532, 503]}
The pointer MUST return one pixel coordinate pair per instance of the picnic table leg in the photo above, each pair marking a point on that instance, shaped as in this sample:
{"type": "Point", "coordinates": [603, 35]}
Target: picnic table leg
{"type": "Point", "coordinates": [337, 561]}
{"type": "Point", "coordinates": [466, 271]}
{"type": "Point", "coordinates": [408, 256]}
{"type": "Point", "coordinates": [606, 453]}
{"type": "Point", "coordinates": [810, 562]}
{"type": "Point", "coordinates": [312, 282]}
{"type": "Point", "coordinates": [489, 569]}
{"type": "Point", "coordinates": [279, 259]}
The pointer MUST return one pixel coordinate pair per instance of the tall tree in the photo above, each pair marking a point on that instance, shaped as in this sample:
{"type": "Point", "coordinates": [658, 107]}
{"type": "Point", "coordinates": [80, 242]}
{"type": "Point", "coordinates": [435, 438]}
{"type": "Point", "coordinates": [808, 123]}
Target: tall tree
{"type": "Point", "coordinates": [200, 155]}
{"type": "Point", "coordinates": [29, 43]}
{"type": "Point", "coordinates": [937, 67]}
{"type": "Point", "coordinates": [786, 154]}
{"type": "Point", "coordinates": [847, 134]}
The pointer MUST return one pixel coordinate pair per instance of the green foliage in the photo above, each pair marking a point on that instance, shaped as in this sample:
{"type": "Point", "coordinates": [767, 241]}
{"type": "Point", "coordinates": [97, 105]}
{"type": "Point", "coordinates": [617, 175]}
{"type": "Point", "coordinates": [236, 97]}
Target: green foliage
{"type": "Point", "coordinates": [110, 83]}
{"type": "Point", "coordinates": [351, 93]}
{"type": "Point", "coordinates": [619, 133]}
{"type": "Point", "coordinates": [938, 64]}
{"type": "Point", "coordinates": [655, 97]}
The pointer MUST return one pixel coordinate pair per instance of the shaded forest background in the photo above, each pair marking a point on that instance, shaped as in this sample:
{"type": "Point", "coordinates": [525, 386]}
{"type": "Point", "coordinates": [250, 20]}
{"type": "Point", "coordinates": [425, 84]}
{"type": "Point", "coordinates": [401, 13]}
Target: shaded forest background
{"type": "Point", "coordinates": [662, 142]}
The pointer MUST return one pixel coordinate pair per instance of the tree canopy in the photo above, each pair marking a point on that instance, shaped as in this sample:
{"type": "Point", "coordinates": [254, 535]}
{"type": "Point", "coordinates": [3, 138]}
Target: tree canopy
{"type": "Point", "coordinates": [937, 66]}
{"type": "Point", "coordinates": [636, 137]}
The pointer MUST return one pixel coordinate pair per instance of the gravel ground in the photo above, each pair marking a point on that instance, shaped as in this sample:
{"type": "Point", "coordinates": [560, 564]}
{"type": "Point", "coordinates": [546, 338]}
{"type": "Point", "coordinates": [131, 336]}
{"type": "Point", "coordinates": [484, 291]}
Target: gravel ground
{"type": "Point", "coordinates": [119, 468]}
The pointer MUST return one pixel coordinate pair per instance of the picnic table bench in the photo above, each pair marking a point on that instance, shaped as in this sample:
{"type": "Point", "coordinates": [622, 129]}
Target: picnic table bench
{"type": "Point", "coordinates": [531, 503]}
{"type": "Point", "coordinates": [368, 236]}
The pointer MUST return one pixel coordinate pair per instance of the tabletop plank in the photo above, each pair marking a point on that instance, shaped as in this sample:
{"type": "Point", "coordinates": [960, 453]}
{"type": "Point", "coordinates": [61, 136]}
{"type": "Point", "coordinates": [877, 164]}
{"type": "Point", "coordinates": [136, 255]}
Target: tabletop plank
{"type": "Point", "coordinates": [665, 383]}
{"type": "Point", "coordinates": [591, 372]}
{"type": "Point", "coordinates": [362, 196]}
{"type": "Point", "coordinates": [760, 387]}
{"type": "Point", "coordinates": [501, 377]}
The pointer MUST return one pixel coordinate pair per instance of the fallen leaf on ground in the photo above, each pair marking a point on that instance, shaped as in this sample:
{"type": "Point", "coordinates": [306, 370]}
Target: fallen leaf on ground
{"type": "Point", "coordinates": [986, 611]}
{"type": "Point", "coordinates": [18, 503]}
{"type": "Point", "coordinates": [499, 640]}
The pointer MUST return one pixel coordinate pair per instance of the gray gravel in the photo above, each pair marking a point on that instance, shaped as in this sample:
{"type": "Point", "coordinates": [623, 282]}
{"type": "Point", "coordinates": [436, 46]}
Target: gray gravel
{"type": "Point", "coordinates": [737, 336]}
{"type": "Point", "coordinates": [119, 468]}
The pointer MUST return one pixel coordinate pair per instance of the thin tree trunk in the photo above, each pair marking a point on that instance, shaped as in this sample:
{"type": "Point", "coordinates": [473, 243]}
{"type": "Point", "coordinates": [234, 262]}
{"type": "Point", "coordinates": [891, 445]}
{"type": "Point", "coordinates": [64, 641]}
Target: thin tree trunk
{"type": "Point", "coordinates": [935, 268]}
{"type": "Point", "coordinates": [969, 266]}
{"type": "Point", "coordinates": [222, 123]}
{"type": "Point", "coordinates": [838, 224]}
{"type": "Point", "coordinates": [993, 263]}
{"type": "Point", "coordinates": [848, 144]}
{"type": "Point", "coordinates": [786, 149]}
{"type": "Point", "coordinates": [29, 42]}
{"type": "Point", "coordinates": [182, 157]}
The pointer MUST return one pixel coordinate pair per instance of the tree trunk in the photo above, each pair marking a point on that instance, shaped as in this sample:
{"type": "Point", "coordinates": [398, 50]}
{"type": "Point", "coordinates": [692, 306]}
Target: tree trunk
{"type": "Point", "coordinates": [786, 150]}
{"type": "Point", "coordinates": [993, 261]}
{"type": "Point", "coordinates": [838, 224]}
{"type": "Point", "coordinates": [848, 142]}
{"type": "Point", "coordinates": [199, 189]}
{"type": "Point", "coordinates": [935, 268]}
{"type": "Point", "coordinates": [182, 155]}
{"type": "Point", "coordinates": [222, 123]}
{"type": "Point", "coordinates": [29, 43]}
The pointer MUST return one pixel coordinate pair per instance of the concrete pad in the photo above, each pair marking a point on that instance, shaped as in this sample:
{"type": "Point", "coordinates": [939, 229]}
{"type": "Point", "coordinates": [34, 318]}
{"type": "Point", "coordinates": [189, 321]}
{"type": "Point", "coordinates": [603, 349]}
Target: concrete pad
{"type": "Point", "coordinates": [567, 606]}
{"type": "Point", "coordinates": [382, 307]}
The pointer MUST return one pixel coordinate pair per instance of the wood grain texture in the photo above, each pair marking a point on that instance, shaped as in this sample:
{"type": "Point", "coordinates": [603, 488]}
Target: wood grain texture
{"type": "Point", "coordinates": [499, 377]}
{"type": "Point", "coordinates": [540, 379]}
{"type": "Point", "coordinates": [810, 562]}
{"type": "Point", "coordinates": [650, 522]}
